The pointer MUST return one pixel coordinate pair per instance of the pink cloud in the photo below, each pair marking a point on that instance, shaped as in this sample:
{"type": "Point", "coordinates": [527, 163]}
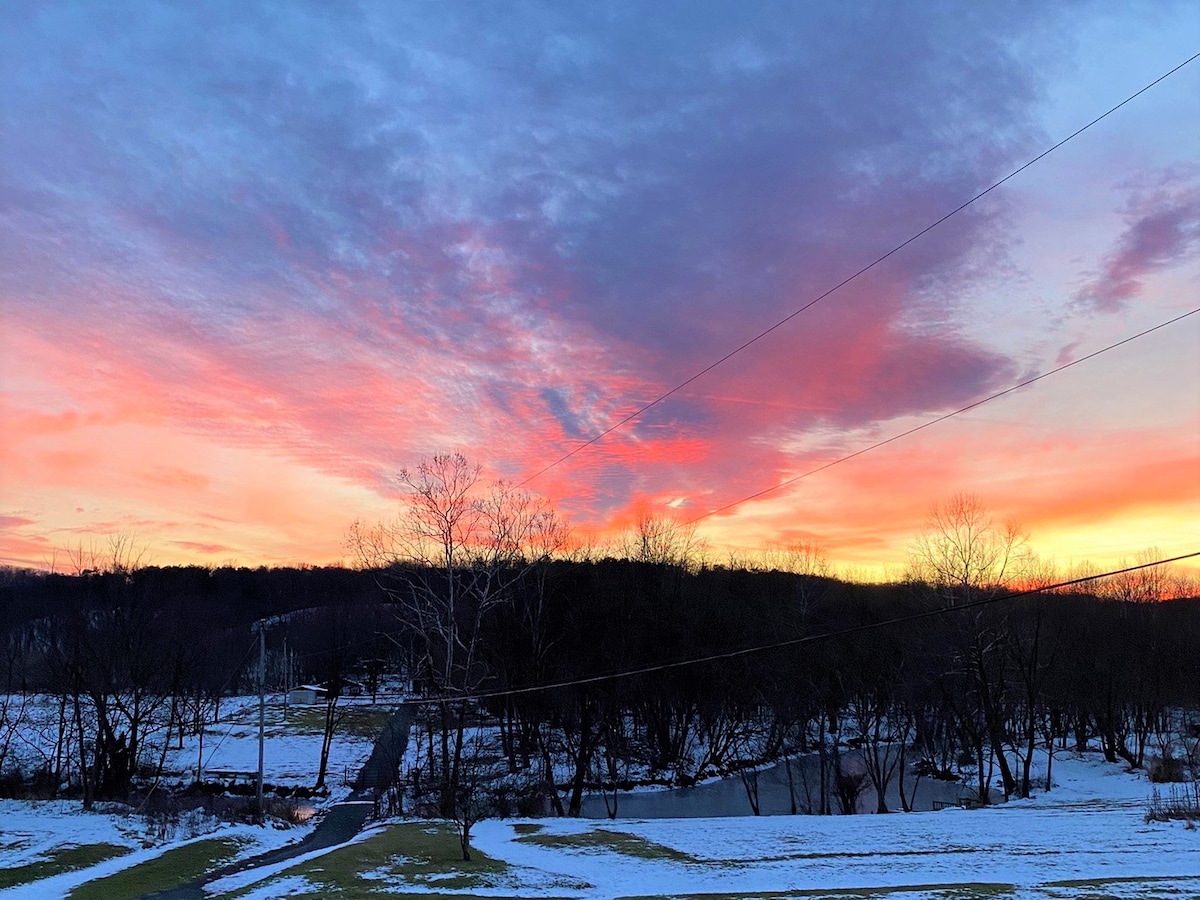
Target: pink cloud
{"type": "Point", "coordinates": [203, 548]}
{"type": "Point", "coordinates": [1163, 230]}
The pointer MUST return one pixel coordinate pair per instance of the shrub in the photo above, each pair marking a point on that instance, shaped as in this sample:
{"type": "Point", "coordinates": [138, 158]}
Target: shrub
{"type": "Point", "coordinates": [286, 811]}
{"type": "Point", "coordinates": [1166, 770]}
{"type": "Point", "coordinates": [927, 768]}
{"type": "Point", "coordinates": [533, 803]}
{"type": "Point", "coordinates": [1182, 803]}
{"type": "Point", "coordinates": [18, 784]}
{"type": "Point", "coordinates": [12, 785]}
{"type": "Point", "coordinates": [167, 813]}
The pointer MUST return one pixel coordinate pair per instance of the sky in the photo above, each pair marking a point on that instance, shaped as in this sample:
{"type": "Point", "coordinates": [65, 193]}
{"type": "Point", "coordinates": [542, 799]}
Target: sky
{"type": "Point", "coordinates": [256, 258]}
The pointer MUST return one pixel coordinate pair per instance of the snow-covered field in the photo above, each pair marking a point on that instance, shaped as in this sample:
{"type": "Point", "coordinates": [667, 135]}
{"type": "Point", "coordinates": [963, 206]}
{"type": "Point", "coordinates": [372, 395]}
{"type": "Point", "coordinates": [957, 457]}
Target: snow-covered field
{"type": "Point", "coordinates": [32, 833]}
{"type": "Point", "coordinates": [292, 751]}
{"type": "Point", "coordinates": [1085, 838]}
{"type": "Point", "coordinates": [293, 740]}
{"type": "Point", "coordinates": [1090, 828]}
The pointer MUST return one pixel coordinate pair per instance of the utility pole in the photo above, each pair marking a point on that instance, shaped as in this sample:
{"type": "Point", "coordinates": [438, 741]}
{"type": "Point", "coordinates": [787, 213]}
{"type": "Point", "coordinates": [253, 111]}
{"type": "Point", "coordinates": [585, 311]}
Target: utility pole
{"type": "Point", "coordinates": [287, 677]}
{"type": "Point", "coordinates": [262, 714]}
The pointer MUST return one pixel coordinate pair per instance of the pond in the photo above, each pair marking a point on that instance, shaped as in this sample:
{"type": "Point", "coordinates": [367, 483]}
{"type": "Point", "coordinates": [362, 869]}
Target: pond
{"type": "Point", "coordinates": [728, 796]}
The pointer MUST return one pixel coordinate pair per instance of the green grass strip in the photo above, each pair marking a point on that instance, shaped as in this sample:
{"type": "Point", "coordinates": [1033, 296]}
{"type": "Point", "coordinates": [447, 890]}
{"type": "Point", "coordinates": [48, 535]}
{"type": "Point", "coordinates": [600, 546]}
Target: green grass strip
{"type": "Point", "coordinates": [171, 869]}
{"type": "Point", "coordinates": [1133, 879]}
{"type": "Point", "coordinates": [358, 721]}
{"type": "Point", "coordinates": [527, 827]}
{"type": "Point", "coordinates": [955, 891]}
{"type": "Point", "coordinates": [602, 840]}
{"type": "Point", "coordinates": [421, 855]}
{"type": "Point", "coordinates": [67, 859]}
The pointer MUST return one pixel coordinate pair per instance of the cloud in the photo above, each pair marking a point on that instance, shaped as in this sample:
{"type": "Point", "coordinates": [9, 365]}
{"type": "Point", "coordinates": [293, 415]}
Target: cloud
{"type": "Point", "coordinates": [341, 241]}
{"type": "Point", "coordinates": [1053, 483]}
{"type": "Point", "coordinates": [1163, 230]}
{"type": "Point", "coordinates": [203, 548]}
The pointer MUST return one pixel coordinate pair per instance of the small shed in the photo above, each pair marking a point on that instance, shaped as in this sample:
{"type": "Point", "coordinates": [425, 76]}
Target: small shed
{"type": "Point", "coordinates": [306, 695]}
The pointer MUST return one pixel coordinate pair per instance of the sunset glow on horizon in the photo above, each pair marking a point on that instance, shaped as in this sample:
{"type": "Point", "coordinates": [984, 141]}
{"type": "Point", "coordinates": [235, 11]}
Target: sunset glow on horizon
{"type": "Point", "coordinates": [256, 258]}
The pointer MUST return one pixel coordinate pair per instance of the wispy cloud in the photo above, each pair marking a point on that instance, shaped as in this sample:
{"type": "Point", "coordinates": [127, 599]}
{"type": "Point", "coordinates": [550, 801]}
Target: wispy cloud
{"type": "Point", "coordinates": [1162, 230]}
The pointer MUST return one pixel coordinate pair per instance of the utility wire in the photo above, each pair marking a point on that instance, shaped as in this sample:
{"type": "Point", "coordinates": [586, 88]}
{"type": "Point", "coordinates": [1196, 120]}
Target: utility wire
{"type": "Point", "coordinates": [942, 418]}
{"type": "Point", "coordinates": [792, 642]}
{"type": "Point", "coordinates": [507, 692]}
{"type": "Point", "coordinates": [484, 695]}
{"type": "Point", "coordinates": [845, 281]}
{"type": "Point", "coordinates": [232, 722]}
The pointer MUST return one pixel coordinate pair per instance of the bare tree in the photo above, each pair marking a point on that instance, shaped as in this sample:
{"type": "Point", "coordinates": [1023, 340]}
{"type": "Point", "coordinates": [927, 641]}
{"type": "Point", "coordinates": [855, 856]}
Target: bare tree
{"type": "Point", "coordinates": [961, 549]}
{"type": "Point", "coordinates": [662, 541]}
{"type": "Point", "coordinates": [115, 658]}
{"type": "Point", "coordinates": [1148, 585]}
{"type": "Point", "coordinates": [961, 553]}
{"type": "Point", "coordinates": [463, 547]}
{"type": "Point", "coordinates": [802, 557]}
{"type": "Point", "coordinates": [334, 664]}
{"type": "Point", "coordinates": [475, 792]}
{"type": "Point", "coordinates": [120, 553]}
{"type": "Point", "coordinates": [883, 727]}
{"type": "Point", "coordinates": [373, 546]}
{"type": "Point", "coordinates": [14, 702]}
{"type": "Point", "coordinates": [1032, 644]}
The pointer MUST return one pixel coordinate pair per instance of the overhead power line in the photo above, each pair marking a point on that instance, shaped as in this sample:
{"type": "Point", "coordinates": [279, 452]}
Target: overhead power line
{"type": "Point", "coordinates": [848, 279]}
{"type": "Point", "coordinates": [794, 642]}
{"type": "Point", "coordinates": [232, 674]}
{"type": "Point", "coordinates": [941, 418]}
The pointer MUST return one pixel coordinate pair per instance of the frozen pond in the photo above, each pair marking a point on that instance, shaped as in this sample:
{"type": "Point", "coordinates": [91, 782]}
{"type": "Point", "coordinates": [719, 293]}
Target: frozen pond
{"type": "Point", "coordinates": [727, 796]}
